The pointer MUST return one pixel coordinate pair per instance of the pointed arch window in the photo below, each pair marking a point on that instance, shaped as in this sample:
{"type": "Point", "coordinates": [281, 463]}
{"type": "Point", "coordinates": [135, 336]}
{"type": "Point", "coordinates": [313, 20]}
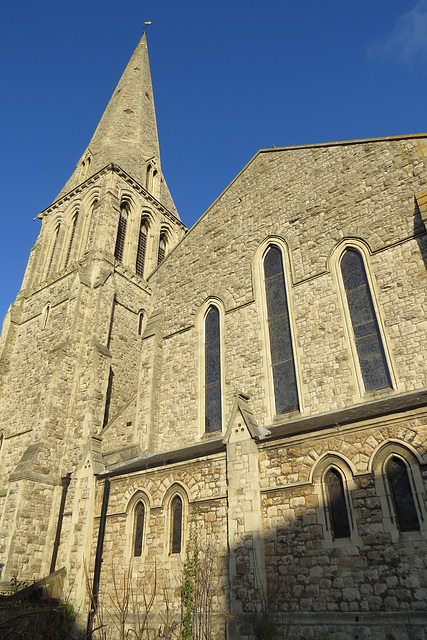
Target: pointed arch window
{"type": "Point", "coordinates": [142, 247]}
{"type": "Point", "coordinates": [340, 525]}
{"type": "Point", "coordinates": [402, 496]}
{"type": "Point", "coordinates": [176, 525]}
{"type": "Point", "coordinates": [366, 333]}
{"type": "Point", "coordinates": [70, 244]}
{"type": "Point", "coordinates": [148, 178]}
{"type": "Point", "coordinates": [121, 234]}
{"type": "Point", "coordinates": [140, 322]}
{"type": "Point", "coordinates": [213, 420]}
{"type": "Point", "coordinates": [162, 248]}
{"type": "Point", "coordinates": [139, 529]}
{"type": "Point", "coordinates": [55, 242]}
{"type": "Point", "coordinates": [281, 349]}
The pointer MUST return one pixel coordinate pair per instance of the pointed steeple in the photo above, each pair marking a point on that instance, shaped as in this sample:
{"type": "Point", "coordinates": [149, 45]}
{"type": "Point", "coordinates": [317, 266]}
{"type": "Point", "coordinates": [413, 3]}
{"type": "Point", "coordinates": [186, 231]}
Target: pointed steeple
{"type": "Point", "coordinates": [127, 132]}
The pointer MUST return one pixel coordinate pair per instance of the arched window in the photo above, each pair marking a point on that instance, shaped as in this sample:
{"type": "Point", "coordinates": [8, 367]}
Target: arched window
{"type": "Point", "coordinates": [162, 248]}
{"type": "Point", "coordinates": [139, 529]}
{"type": "Point", "coordinates": [401, 491]}
{"type": "Point", "coordinates": [121, 234]}
{"type": "Point", "coordinates": [153, 186]}
{"type": "Point", "coordinates": [140, 322]}
{"type": "Point", "coordinates": [367, 338]}
{"type": "Point", "coordinates": [176, 525]}
{"type": "Point", "coordinates": [340, 526]}
{"type": "Point", "coordinates": [148, 178]}
{"type": "Point", "coordinates": [70, 244]}
{"type": "Point", "coordinates": [142, 247]}
{"type": "Point", "coordinates": [55, 242]}
{"type": "Point", "coordinates": [282, 356]}
{"type": "Point", "coordinates": [45, 316]}
{"type": "Point", "coordinates": [1, 440]}
{"type": "Point", "coordinates": [212, 371]}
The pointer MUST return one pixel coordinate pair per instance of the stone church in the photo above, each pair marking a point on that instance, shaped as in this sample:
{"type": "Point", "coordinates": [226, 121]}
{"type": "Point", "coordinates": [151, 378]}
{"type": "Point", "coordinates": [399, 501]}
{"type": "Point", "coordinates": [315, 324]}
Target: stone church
{"type": "Point", "coordinates": [255, 386]}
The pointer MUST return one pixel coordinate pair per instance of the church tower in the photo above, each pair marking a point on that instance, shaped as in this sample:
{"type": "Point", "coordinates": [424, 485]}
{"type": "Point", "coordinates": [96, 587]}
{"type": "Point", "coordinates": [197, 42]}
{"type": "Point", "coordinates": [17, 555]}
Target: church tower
{"type": "Point", "coordinates": [70, 345]}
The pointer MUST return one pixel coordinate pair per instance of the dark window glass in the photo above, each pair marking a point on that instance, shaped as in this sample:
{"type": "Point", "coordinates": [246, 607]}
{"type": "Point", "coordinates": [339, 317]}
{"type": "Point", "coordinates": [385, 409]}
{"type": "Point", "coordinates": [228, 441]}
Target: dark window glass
{"type": "Point", "coordinates": [176, 525]}
{"type": "Point", "coordinates": [140, 323]}
{"type": "Point", "coordinates": [337, 508]}
{"type": "Point", "coordinates": [55, 242]}
{"type": "Point", "coordinates": [121, 235]}
{"type": "Point", "coordinates": [212, 371]}
{"type": "Point", "coordinates": [139, 529]}
{"type": "Point", "coordinates": [70, 244]}
{"type": "Point", "coordinates": [282, 358]}
{"type": "Point", "coordinates": [403, 500]}
{"type": "Point", "coordinates": [162, 248]}
{"type": "Point", "coordinates": [370, 350]}
{"type": "Point", "coordinates": [1, 440]}
{"type": "Point", "coordinates": [142, 246]}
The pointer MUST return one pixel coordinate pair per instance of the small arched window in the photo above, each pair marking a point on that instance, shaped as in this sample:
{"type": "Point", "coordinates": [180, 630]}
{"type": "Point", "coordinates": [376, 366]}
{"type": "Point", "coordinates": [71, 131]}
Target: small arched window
{"type": "Point", "coordinates": [176, 525]}
{"type": "Point", "coordinates": [340, 526]}
{"type": "Point", "coordinates": [1, 440]}
{"type": "Point", "coordinates": [162, 248]}
{"type": "Point", "coordinates": [148, 178]}
{"type": "Point", "coordinates": [121, 234]}
{"type": "Point", "coordinates": [282, 356]}
{"type": "Point", "coordinates": [70, 244]}
{"type": "Point", "coordinates": [142, 247]}
{"type": "Point", "coordinates": [139, 529]}
{"type": "Point", "coordinates": [45, 316]}
{"type": "Point", "coordinates": [366, 333]}
{"type": "Point", "coordinates": [213, 420]}
{"type": "Point", "coordinates": [140, 322]}
{"type": "Point", "coordinates": [402, 496]}
{"type": "Point", "coordinates": [55, 242]}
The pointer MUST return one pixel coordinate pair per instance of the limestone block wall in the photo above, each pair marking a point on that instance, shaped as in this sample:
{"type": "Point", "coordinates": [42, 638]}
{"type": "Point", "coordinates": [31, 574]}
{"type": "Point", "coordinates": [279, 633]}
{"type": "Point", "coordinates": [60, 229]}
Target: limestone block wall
{"type": "Point", "coordinates": [313, 202]}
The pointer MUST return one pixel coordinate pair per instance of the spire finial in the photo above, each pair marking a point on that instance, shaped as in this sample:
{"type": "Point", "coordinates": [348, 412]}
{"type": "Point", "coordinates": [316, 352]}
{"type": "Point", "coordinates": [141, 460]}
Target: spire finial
{"type": "Point", "coordinates": [145, 28]}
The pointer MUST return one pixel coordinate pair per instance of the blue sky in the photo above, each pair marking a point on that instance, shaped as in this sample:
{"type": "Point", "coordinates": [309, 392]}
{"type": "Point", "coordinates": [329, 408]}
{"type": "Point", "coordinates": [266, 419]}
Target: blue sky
{"type": "Point", "coordinates": [229, 78]}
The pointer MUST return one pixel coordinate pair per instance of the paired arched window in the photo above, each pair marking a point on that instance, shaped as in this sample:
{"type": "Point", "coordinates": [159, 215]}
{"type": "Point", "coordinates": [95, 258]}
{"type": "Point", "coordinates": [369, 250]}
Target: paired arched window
{"type": "Point", "coordinates": [142, 247]}
{"type": "Point", "coordinates": [55, 242]}
{"type": "Point", "coordinates": [176, 513]}
{"type": "Point", "coordinates": [70, 244]}
{"type": "Point", "coordinates": [281, 350]}
{"type": "Point", "coordinates": [366, 333]}
{"type": "Point", "coordinates": [402, 496]}
{"type": "Point", "coordinates": [121, 234]}
{"type": "Point", "coordinates": [162, 248]}
{"type": "Point", "coordinates": [213, 420]}
{"type": "Point", "coordinates": [338, 515]}
{"type": "Point", "coordinates": [138, 529]}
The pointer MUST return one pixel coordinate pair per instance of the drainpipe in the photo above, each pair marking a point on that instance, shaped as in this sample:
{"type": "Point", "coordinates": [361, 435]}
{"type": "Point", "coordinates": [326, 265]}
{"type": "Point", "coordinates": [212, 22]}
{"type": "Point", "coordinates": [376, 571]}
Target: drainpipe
{"type": "Point", "coordinates": [65, 484]}
{"type": "Point", "coordinates": [98, 558]}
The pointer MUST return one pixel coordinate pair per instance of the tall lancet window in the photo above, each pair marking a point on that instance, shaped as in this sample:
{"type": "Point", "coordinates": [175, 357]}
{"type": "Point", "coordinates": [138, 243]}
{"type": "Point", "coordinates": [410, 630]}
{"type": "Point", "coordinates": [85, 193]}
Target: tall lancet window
{"type": "Point", "coordinates": [176, 525]}
{"type": "Point", "coordinates": [55, 242]}
{"type": "Point", "coordinates": [403, 499]}
{"type": "Point", "coordinates": [212, 371]}
{"type": "Point", "coordinates": [142, 247]}
{"type": "Point", "coordinates": [367, 338]}
{"type": "Point", "coordinates": [149, 178]}
{"type": "Point", "coordinates": [282, 356]}
{"type": "Point", "coordinates": [162, 248]}
{"type": "Point", "coordinates": [121, 234]}
{"type": "Point", "coordinates": [340, 525]}
{"type": "Point", "coordinates": [139, 529]}
{"type": "Point", "coordinates": [70, 244]}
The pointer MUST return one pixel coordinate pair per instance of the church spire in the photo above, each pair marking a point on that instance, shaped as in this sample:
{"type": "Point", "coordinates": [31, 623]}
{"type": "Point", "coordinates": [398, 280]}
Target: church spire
{"type": "Point", "coordinates": [127, 132]}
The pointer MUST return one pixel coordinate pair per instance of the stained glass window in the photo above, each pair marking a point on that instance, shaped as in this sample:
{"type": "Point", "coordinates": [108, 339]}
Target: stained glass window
{"type": "Point", "coordinates": [282, 357]}
{"type": "Point", "coordinates": [176, 525]}
{"type": "Point", "coordinates": [403, 499]}
{"type": "Point", "coordinates": [369, 346]}
{"type": "Point", "coordinates": [142, 246]}
{"type": "Point", "coordinates": [139, 529]}
{"type": "Point", "coordinates": [337, 508]}
{"type": "Point", "coordinates": [212, 371]}
{"type": "Point", "coordinates": [121, 234]}
{"type": "Point", "coordinates": [70, 244]}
